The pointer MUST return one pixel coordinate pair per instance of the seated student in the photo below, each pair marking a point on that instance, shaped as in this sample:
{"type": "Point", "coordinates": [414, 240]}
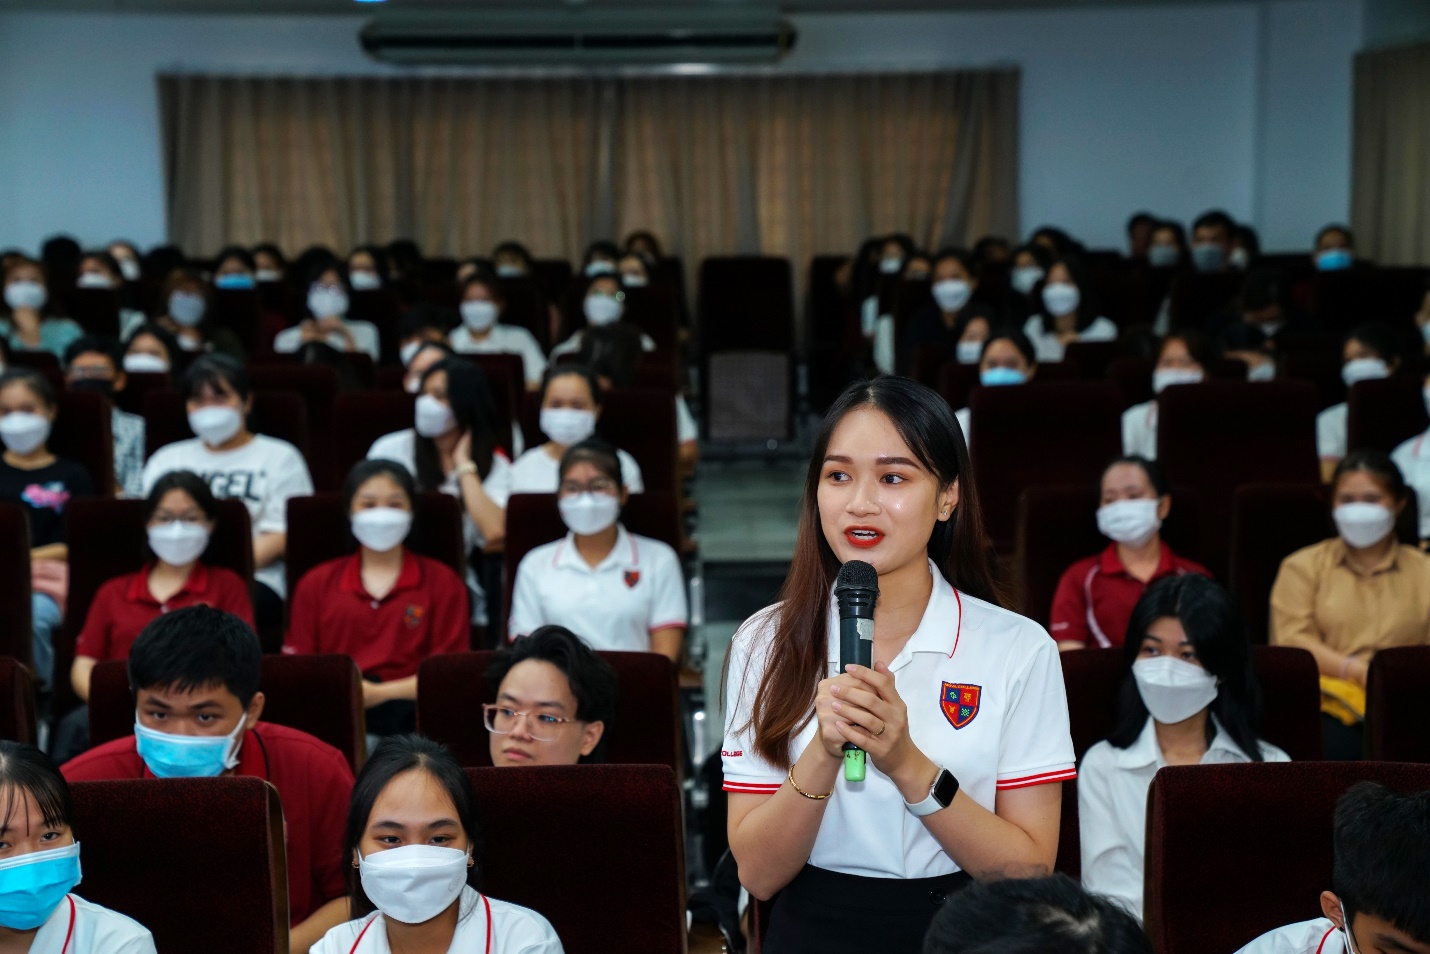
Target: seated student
{"type": "Point", "coordinates": [385, 606]}
{"type": "Point", "coordinates": [1030, 264]}
{"type": "Point", "coordinates": [1335, 249]}
{"type": "Point", "coordinates": [234, 270]}
{"type": "Point", "coordinates": [187, 299]}
{"type": "Point", "coordinates": [269, 264]}
{"type": "Point", "coordinates": [367, 268]}
{"type": "Point", "coordinates": [555, 700]}
{"type": "Point", "coordinates": [1025, 915]}
{"type": "Point", "coordinates": [327, 320]}
{"type": "Point", "coordinates": [1378, 903]}
{"type": "Point", "coordinates": [151, 349]}
{"type": "Point", "coordinates": [423, 323]}
{"type": "Point", "coordinates": [600, 258]}
{"type": "Point", "coordinates": [26, 323]}
{"type": "Point", "coordinates": [1182, 358]}
{"type": "Point", "coordinates": [615, 589]}
{"type": "Point", "coordinates": [413, 838]}
{"type": "Point", "coordinates": [1266, 305]}
{"type": "Point", "coordinates": [1095, 596]}
{"type": "Point", "coordinates": [93, 364]}
{"type": "Point", "coordinates": [1370, 353]}
{"type": "Point", "coordinates": [570, 406]}
{"type": "Point", "coordinates": [43, 484]}
{"type": "Point", "coordinates": [126, 255]}
{"type": "Point", "coordinates": [633, 270]}
{"type": "Point", "coordinates": [425, 356]}
{"type": "Point", "coordinates": [953, 325]}
{"type": "Point", "coordinates": [263, 472]}
{"type": "Point", "coordinates": [1412, 456]}
{"type": "Point", "coordinates": [1008, 358]}
{"type": "Point", "coordinates": [603, 306]}
{"type": "Point", "coordinates": [1358, 592]}
{"type": "Point", "coordinates": [512, 260]}
{"type": "Point", "coordinates": [99, 269]}
{"type": "Point", "coordinates": [1064, 311]}
{"type": "Point", "coordinates": [39, 867]}
{"type": "Point", "coordinates": [195, 676]}
{"type": "Point", "coordinates": [1246, 343]}
{"type": "Point", "coordinates": [644, 243]}
{"type": "Point", "coordinates": [482, 333]}
{"type": "Point", "coordinates": [1188, 697]}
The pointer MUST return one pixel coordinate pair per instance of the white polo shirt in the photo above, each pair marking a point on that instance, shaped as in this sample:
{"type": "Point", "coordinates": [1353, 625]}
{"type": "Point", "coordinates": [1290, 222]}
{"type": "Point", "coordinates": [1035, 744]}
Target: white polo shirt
{"type": "Point", "coordinates": [1309, 937]}
{"type": "Point", "coordinates": [364, 335]}
{"type": "Point", "coordinates": [537, 472]}
{"type": "Point", "coordinates": [637, 589]}
{"type": "Point", "coordinates": [505, 339]}
{"type": "Point", "coordinates": [984, 691]}
{"type": "Point", "coordinates": [97, 930]}
{"type": "Point", "coordinates": [401, 446]}
{"type": "Point", "coordinates": [1046, 345]}
{"type": "Point", "coordinates": [1413, 459]}
{"type": "Point", "coordinates": [514, 930]}
{"type": "Point", "coordinates": [1112, 808]}
{"type": "Point", "coordinates": [1139, 430]}
{"type": "Point", "coordinates": [1331, 425]}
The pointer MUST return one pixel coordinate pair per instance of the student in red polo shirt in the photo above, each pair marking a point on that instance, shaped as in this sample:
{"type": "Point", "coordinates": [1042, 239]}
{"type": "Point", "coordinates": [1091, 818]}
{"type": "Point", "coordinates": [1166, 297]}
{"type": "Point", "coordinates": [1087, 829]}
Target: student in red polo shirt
{"type": "Point", "coordinates": [1095, 596]}
{"type": "Point", "coordinates": [195, 675]}
{"type": "Point", "coordinates": [385, 606]}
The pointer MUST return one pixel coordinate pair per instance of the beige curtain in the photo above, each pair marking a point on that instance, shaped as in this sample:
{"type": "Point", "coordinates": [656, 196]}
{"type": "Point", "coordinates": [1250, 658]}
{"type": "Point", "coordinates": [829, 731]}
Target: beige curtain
{"type": "Point", "coordinates": [1390, 204]}
{"type": "Point", "coordinates": [778, 165]}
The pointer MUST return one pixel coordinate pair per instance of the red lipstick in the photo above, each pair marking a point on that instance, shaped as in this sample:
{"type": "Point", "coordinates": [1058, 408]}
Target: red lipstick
{"type": "Point", "coordinates": [863, 537]}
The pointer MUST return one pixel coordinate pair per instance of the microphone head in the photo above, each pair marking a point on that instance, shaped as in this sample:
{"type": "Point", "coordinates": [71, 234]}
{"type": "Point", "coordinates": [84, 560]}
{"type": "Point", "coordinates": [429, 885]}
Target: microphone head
{"type": "Point", "coordinates": [856, 575]}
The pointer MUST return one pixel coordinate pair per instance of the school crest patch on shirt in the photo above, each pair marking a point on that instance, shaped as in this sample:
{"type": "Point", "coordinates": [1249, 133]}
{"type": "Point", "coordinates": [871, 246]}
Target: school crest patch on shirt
{"type": "Point", "coordinates": [960, 703]}
{"type": "Point", "coordinates": [412, 616]}
{"type": "Point", "coordinates": [632, 578]}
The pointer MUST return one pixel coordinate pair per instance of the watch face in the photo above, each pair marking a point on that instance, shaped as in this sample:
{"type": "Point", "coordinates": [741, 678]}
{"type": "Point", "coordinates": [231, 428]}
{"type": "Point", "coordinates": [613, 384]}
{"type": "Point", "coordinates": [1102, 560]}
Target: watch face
{"type": "Point", "coordinates": [945, 787]}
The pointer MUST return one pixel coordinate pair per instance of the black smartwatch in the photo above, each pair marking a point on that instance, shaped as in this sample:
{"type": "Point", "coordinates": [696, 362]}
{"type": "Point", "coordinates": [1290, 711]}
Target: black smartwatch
{"type": "Point", "coordinates": [940, 796]}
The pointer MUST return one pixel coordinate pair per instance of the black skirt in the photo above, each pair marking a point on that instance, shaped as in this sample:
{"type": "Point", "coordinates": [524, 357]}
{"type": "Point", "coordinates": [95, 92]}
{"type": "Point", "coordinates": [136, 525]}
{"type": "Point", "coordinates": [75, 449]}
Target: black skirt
{"type": "Point", "coordinates": [827, 912]}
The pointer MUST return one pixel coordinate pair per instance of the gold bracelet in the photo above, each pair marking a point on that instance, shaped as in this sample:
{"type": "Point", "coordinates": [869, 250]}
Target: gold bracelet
{"type": "Point", "coordinates": [470, 467]}
{"type": "Point", "coordinates": [815, 798]}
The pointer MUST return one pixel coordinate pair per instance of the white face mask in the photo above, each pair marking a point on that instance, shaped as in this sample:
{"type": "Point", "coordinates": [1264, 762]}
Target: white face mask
{"type": "Point", "coordinates": [142, 363]}
{"type": "Point", "coordinates": [187, 309]}
{"type": "Point", "coordinates": [891, 266]}
{"type": "Point", "coordinates": [26, 294]}
{"type": "Point", "coordinates": [93, 280]}
{"type": "Point", "coordinates": [433, 418]}
{"type": "Point", "coordinates": [364, 281]}
{"type": "Point", "coordinates": [1024, 277]}
{"type": "Point", "coordinates": [1163, 378]}
{"type": "Point", "coordinates": [587, 514]}
{"type": "Point", "coordinates": [179, 542]}
{"type": "Point", "coordinates": [1363, 525]}
{"type": "Point", "coordinates": [1163, 256]}
{"type": "Point", "coordinates": [567, 425]}
{"type": "Point", "coordinates": [1265, 371]}
{"type": "Point", "coordinates": [23, 432]}
{"type": "Point", "coordinates": [968, 352]}
{"type": "Point", "coordinates": [600, 267]}
{"type": "Point", "coordinates": [267, 275]}
{"type": "Point", "coordinates": [408, 351]}
{"type": "Point", "coordinates": [1173, 690]}
{"type": "Point", "coordinates": [634, 280]}
{"type": "Point", "coordinates": [412, 385]}
{"type": "Point", "coordinates": [1364, 369]}
{"type": "Point", "coordinates": [415, 883]}
{"type": "Point", "coordinates": [1238, 258]}
{"type": "Point", "coordinates": [479, 315]}
{"type": "Point", "coordinates": [215, 425]}
{"type": "Point", "coordinates": [129, 268]}
{"type": "Point", "coordinates": [1061, 298]}
{"type": "Point", "coordinates": [602, 309]}
{"type": "Point", "coordinates": [1130, 522]}
{"type": "Point", "coordinates": [952, 293]}
{"type": "Point", "coordinates": [1425, 332]}
{"type": "Point", "coordinates": [327, 303]}
{"type": "Point", "coordinates": [381, 528]}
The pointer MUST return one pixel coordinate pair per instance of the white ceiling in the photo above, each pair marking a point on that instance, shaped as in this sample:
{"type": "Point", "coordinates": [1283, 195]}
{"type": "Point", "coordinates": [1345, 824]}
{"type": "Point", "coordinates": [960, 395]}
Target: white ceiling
{"type": "Point", "coordinates": [351, 7]}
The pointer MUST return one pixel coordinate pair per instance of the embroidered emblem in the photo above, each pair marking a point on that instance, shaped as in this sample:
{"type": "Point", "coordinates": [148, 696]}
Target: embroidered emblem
{"type": "Point", "coordinates": [413, 616]}
{"type": "Point", "coordinates": [960, 703]}
{"type": "Point", "coordinates": [632, 578]}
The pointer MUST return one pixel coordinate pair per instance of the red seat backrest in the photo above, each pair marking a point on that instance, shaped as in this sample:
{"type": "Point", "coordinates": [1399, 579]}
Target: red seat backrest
{"type": "Point", "coordinates": [82, 433]}
{"type": "Point", "coordinates": [17, 701]}
{"type": "Point", "coordinates": [1397, 705]}
{"type": "Point", "coordinates": [361, 417]}
{"type": "Point", "coordinates": [317, 386]}
{"type": "Point", "coordinates": [1383, 414]}
{"type": "Point", "coordinates": [16, 628]}
{"type": "Point", "coordinates": [275, 413]}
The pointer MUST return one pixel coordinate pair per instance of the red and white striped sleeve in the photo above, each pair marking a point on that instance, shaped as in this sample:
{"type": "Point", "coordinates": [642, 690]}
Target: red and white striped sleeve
{"type": "Point", "coordinates": [745, 771]}
{"type": "Point", "coordinates": [1036, 747]}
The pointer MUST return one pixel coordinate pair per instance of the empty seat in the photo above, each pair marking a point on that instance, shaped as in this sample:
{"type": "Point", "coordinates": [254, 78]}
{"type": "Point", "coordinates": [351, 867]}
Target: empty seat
{"type": "Point", "coordinates": [618, 825]}
{"type": "Point", "coordinates": [1249, 844]}
{"type": "Point", "coordinates": [361, 417]}
{"type": "Point", "coordinates": [1322, 368]}
{"type": "Point", "coordinates": [317, 386]}
{"type": "Point", "coordinates": [1269, 523]}
{"type": "Point", "coordinates": [1383, 414]}
{"type": "Point", "coordinates": [16, 626]}
{"type": "Point", "coordinates": [1397, 705]}
{"type": "Point", "coordinates": [17, 701]}
{"type": "Point", "coordinates": [82, 433]}
{"type": "Point", "coordinates": [1197, 295]}
{"type": "Point", "coordinates": [451, 690]}
{"type": "Point", "coordinates": [275, 413]}
{"type": "Point", "coordinates": [239, 824]}
{"type": "Point", "coordinates": [96, 310]}
{"type": "Point", "coordinates": [240, 310]}
{"type": "Point", "coordinates": [136, 385]}
{"type": "Point", "coordinates": [1091, 358]}
{"type": "Point", "coordinates": [746, 317]}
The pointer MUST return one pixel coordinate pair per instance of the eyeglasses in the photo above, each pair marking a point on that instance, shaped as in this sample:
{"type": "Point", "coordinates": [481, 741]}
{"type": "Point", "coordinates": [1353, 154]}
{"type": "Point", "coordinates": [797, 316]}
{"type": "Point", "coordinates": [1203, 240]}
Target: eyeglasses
{"type": "Point", "coordinates": [601, 485]}
{"type": "Point", "coordinates": [539, 725]}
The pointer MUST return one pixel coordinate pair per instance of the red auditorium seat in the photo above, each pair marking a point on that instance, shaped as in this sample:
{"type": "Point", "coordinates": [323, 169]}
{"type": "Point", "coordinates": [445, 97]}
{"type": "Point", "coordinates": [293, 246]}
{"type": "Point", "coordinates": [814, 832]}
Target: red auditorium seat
{"type": "Point", "coordinates": [525, 306]}
{"type": "Point", "coordinates": [1343, 299]}
{"type": "Point", "coordinates": [653, 310]}
{"type": "Point", "coordinates": [1197, 295]}
{"type": "Point", "coordinates": [1019, 432]}
{"type": "Point", "coordinates": [1269, 523]}
{"type": "Point", "coordinates": [316, 386]}
{"type": "Point", "coordinates": [506, 380]}
{"type": "Point", "coordinates": [361, 417]}
{"type": "Point", "coordinates": [43, 363]}
{"type": "Point", "coordinates": [1321, 367]}
{"type": "Point", "coordinates": [1092, 358]}
{"type": "Point", "coordinates": [1383, 414]}
{"type": "Point", "coordinates": [452, 689]}
{"type": "Point", "coordinates": [136, 385]}
{"type": "Point", "coordinates": [82, 433]}
{"type": "Point", "coordinates": [1234, 851]}
{"type": "Point", "coordinates": [746, 317]}
{"type": "Point", "coordinates": [381, 307]}
{"type": "Point", "coordinates": [240, 310]}
{"type": "Point", "coordinates": [96, 310]}
{"type": "Point", "coordinates": [1134, 376]}
{"type": "Point", "coordinates": [619, 826]}
{"type": "Point", "coordinates": [152, 825]}
{"type": "Point", "coordinates": [1397, 705]}
{"type": "Point", "coordinates": [319, 694]}
{"type": "Point", "coordinates": [17, 702]}
{"type": "Point", "coordinates": [275, 413]}
{"type": "Point", "coordinates": [16, 626]}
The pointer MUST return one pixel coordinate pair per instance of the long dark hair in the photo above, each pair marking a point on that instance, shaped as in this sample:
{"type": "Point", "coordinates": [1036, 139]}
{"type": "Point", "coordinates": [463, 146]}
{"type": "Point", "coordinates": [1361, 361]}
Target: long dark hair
{"type": "Point", "coordinates": [959, 547]}
{"type": "Point", "coordinates": [24, 768]}
{"type": "Point", "coordinates": [394, 755]}
{"type": "Point", "coordinates": [473, 410]}
{"type": "Point", "coordinates": [1214, 626]}
{"type": "Point", "coordinates": [1087, 307]}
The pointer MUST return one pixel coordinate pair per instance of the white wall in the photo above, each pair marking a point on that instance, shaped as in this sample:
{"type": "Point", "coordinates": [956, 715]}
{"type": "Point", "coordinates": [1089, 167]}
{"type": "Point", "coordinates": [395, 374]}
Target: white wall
{"type": "Point", "coordinates": [1175, 109]}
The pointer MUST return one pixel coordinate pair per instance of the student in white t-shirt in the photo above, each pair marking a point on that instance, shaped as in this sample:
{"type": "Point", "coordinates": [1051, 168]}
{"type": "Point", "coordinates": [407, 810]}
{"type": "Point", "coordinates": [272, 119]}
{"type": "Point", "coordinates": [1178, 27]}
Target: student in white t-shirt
{"type": "Point", "coordinates": [326, 318]}
{"type": "Point", "coordinates": [1413, 459]}
{"type": "Point", "coordinates": [963, 716]}
{"type": "Point", "coordinates": [482, 332]}
{"type": "Point", "coordinates": [1188, 698]}
{"type": "Point", "coordinates": [1064, 311]}
{"type": "Point", "coordinates": [570, 407]}
{"type": "Point", "coordinates": [40, 866]}
{"type": "Point", "coordinates": [1371, 352]}
{"type": "Point", "coordinates": [1380, 902]}
{"type": "Point", "coordinates": [604, 306]}
{"type": "Point", "coordinates": [613, 588]}
{"type": "Point", "coordinates": [1183, 358]}
{"type": "Point", "coordinates": [263, 472]}
{"type": "Point", "coordinates": [413, 838]}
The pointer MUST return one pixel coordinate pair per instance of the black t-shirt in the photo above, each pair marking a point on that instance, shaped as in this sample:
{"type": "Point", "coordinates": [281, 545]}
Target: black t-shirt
{"type": "Point", "coordinates": [44, 493]}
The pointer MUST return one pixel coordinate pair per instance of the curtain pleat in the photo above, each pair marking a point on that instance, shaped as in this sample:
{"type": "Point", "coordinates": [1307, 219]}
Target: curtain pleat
{"type": "Point", "coordinates": [1390, 207]}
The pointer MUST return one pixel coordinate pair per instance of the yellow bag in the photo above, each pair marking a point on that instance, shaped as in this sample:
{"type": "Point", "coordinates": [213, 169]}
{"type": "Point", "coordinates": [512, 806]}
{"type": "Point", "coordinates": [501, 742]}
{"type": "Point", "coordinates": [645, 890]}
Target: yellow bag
{"type": "Point", "coordinates": [1343, 700]}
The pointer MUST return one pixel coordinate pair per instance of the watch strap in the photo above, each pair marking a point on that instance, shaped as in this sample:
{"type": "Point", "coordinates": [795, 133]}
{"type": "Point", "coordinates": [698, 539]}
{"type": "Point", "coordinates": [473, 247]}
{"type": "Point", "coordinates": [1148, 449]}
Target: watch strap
{"type": "Point", "coordinates": [933, 803]}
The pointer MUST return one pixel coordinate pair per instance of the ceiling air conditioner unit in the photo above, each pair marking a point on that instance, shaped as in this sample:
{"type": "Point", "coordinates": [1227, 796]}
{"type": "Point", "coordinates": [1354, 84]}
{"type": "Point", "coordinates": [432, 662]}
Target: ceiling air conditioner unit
{"type": "Point", "coordinates": [580, 37]}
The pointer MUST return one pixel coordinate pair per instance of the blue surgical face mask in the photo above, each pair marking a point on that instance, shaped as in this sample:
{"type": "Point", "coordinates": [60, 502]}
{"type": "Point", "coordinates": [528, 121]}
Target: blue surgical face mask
{"type": "Point", "coordinates": [235, 281]}
{"type": "Point", "coordinates": [33, 885]}
{"type": "Point", "coordinates": [993, 377]}
{"type": "Point", "coordinates": [1335, 260]}
{"type": "Point", "coordinates": [1208, 257]}
{"type": "Point", "coordinates": [187, 756]}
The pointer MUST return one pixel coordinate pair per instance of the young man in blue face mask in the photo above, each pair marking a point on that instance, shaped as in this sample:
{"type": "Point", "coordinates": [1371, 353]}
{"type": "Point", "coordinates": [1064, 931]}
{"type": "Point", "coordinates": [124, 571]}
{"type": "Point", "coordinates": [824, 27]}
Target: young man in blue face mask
{"type": "Point", "coordinates": [1381, 901]}
{"type": "Point", "coordinates": [195, 674]}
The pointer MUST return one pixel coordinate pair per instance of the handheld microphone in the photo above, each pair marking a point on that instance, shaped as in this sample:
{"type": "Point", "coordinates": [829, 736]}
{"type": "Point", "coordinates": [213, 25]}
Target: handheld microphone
{"type": "Point", "coordinates": [856, 590]}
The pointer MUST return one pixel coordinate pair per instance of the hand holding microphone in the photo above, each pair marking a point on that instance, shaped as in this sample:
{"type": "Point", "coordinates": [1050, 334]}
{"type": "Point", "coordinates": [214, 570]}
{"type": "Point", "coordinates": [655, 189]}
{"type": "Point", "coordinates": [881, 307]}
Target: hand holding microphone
{"type": "Point", "coordinates": [856, 591]}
